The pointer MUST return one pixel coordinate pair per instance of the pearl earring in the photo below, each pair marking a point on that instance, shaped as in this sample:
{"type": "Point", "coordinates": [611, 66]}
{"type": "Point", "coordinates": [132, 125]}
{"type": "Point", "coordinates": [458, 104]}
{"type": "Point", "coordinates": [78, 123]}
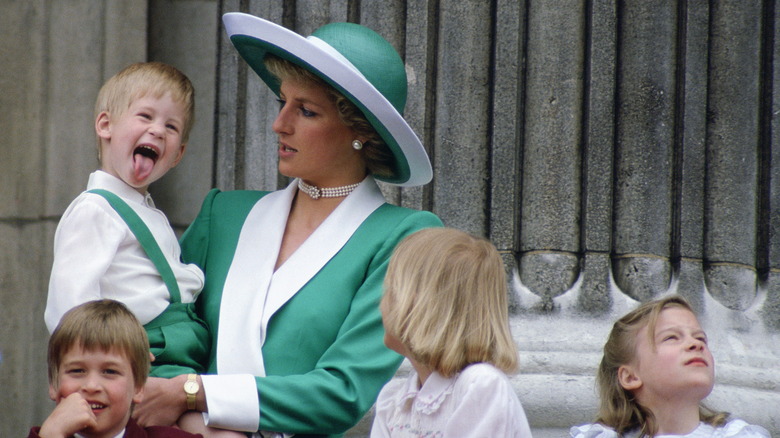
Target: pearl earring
{"type": "Point", "coordinates": [357, 145]}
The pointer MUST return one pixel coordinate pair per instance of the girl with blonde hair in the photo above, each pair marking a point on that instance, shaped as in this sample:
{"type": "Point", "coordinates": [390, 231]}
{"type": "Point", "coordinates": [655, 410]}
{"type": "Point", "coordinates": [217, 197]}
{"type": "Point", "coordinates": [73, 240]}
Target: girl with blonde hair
{"type": "Point", "coordinates": [445, 308]}
{"type": "Point", "coordinates": [656, 370]}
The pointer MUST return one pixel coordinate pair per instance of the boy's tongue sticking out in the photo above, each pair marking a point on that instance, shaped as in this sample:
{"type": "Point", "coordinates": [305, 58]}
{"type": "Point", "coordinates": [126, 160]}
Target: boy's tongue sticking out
{"type": "Point", "coordinates": [144, 158]}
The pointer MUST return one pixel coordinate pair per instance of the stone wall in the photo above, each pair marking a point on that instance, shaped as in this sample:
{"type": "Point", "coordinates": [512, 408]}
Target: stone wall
{"type": "Point", "coordinates": [613, 151]}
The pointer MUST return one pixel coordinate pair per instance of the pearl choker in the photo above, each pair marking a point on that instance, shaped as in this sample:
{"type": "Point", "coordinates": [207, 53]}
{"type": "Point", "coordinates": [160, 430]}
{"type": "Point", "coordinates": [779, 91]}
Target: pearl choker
{"type": "Point", "coordinates": [326, 192]}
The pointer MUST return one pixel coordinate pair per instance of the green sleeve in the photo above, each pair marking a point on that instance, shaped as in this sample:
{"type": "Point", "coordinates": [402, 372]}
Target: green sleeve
{"type": "Point", "coordinates": [195, 240]}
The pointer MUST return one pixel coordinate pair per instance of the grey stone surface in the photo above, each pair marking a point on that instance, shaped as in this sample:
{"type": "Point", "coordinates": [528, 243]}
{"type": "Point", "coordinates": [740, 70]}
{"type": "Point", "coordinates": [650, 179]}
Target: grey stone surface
{"type": "Point", "coordinates": [771, 309]}
{"type": "Point", "coordinates": [644, 129]}
{"type": "Point", "coordinates": [643, 161]}
{"type": "Point", "coordinates": [732, 284]}
{"type": "Point", "coordinates": [599, 127]}
{"type": "Point", "coordinates": [230, 110]}
{"type": "Point", "coordinates": [549, 274]}
{"type": "Point", "coordinates": [690, 144]}
{"type": "Point", "coordinates": [642, 276]}
{"type": "Point", "coordinates": [23, 335]}
{"type": "Point", "coordinates": [732, 147]}
{"type": "Point", "coordinates": [462, 110]}
{"type": "Point", "coordinates": [23, 86]}
{"type": "Point", "coordinates": [258, 107]}
{"type": "Point", "coordinates": [554, 91]}
{"type": "Point", "coordinates": [506, 142]}
{"type": "Point", "coordinates": [552, 139]}
{"type": "Point", "coordinates": [773, 171]}
{"type": "Point", "coordinates": [690, 282]}
{"type": "Point", "coordinates": [188, 43]}
{"type": "Point", "coordinates": [420, 61]}
{"type": "Point", "coordinates": [594, 298]}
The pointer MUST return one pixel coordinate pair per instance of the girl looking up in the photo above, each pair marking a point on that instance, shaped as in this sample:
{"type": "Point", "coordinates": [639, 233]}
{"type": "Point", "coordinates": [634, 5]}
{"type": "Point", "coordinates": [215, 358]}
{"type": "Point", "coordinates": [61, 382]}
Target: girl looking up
{"type": "Point", "coordinates": [656, 370]}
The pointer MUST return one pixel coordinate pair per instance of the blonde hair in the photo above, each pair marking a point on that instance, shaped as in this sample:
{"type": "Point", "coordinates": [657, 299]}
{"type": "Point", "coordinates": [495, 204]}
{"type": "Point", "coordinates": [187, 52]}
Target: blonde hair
{"type": "Point", "coordinates": [376, 154]}
{"type": "Point", "coordinates": [618, 407]}
{"type": "Point", "coordinates": [445, 299]}
{"type": "Point", "coordinates": [147, 79]}
{"type": "Point", "coordinates": [104, 325]}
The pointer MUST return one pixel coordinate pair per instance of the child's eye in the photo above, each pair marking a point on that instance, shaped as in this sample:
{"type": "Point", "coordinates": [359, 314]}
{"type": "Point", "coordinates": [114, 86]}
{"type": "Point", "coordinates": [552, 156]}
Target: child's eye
{"type": "Point", "coordinates": [172, 127]}
{"type": "Point", "coordinates": [111, 371]}
{"type": "Point", "coordinates": [670, 338]}
{"type": "Point", "coordinates": [145, 116]}
{"type": "Point", "coordinates": [74, 371]}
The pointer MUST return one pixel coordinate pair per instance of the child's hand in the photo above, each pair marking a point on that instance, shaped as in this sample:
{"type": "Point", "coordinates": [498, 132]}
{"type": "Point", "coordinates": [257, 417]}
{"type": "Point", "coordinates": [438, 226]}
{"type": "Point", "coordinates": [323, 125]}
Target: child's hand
{"type": "Point", "coordinates": [71, 415]}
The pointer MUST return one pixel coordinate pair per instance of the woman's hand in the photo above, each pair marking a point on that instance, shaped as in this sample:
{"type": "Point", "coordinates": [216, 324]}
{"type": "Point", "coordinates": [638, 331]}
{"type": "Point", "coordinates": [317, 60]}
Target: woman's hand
{"type": "Point", "coordinates": [163, 403]}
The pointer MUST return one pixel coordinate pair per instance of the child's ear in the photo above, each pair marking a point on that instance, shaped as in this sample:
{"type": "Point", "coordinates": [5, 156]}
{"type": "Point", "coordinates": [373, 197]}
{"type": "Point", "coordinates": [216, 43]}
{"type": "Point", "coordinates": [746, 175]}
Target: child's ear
{"type": "Point", "coordinates": [628, 378]}
{"type": "Point", "coordinates": [103, 125]}
{"type": "Point", "coordinates": [138, 397]}
{"type": "Point", "coordinates": [53, 392]}
{"type": "Point", "coordinates": [181, 154]}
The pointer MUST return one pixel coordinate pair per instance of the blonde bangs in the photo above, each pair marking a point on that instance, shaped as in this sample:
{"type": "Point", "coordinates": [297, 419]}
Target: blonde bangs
{"type": "Point", "coordinates": [102, 325]}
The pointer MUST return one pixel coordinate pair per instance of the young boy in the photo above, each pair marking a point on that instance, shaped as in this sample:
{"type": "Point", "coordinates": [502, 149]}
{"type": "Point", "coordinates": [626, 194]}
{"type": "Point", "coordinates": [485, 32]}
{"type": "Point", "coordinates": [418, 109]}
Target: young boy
{"type": "Point", "coordinates": [98, 362]}
{"type": "Point", "coordinates": [111, 241]}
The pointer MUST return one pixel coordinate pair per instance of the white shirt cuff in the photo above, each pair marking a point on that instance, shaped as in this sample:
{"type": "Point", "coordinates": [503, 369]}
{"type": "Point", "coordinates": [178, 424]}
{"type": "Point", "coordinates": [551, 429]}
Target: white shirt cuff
{"type": "Point", "coordinates": [232, 402]}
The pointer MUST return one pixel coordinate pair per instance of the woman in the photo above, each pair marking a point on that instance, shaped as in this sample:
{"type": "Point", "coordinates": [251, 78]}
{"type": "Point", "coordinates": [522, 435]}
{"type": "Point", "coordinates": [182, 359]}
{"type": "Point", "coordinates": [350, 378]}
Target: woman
{"type": "Point", "coordinates": [294, 277]}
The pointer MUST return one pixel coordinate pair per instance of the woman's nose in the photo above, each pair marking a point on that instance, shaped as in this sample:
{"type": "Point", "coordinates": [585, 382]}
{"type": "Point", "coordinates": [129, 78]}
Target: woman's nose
{"type": "Point", "coordinates": [282, 124]}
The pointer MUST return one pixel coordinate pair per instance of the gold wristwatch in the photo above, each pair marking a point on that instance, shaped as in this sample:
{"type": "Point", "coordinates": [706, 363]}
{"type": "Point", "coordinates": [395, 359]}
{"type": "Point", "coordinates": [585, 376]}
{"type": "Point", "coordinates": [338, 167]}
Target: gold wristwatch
{"type": "Point", "coordinates": [191, 388]}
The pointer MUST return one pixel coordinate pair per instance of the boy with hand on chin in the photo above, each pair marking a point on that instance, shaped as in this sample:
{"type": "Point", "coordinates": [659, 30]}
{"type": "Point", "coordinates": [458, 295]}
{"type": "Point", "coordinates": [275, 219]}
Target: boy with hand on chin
{"type": "Point", "coordinates": [112, 242]}
{"type": "Point", "coordinates": [98, 362]}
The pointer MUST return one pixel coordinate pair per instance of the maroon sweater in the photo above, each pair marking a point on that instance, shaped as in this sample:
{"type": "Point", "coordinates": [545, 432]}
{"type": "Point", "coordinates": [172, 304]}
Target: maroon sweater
{"type": "Point", "coordinates": [133, 430]}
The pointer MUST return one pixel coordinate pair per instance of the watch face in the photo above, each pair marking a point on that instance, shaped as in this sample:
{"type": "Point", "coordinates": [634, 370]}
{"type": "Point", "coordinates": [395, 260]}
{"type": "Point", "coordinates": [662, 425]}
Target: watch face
{"type": "Point", "coordinates": [191, 387]}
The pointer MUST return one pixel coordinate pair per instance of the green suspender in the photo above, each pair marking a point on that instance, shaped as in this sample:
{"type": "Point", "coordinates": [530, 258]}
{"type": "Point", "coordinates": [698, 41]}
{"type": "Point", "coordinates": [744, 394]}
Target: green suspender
{"type": "Point", "coordinates": [142, 233]}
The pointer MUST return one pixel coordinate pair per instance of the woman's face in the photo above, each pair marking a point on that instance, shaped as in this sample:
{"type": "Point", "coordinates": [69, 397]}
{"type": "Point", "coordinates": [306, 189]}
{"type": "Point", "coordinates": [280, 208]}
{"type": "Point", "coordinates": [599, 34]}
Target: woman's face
{"type": "Point", "coordinates": [314, 144]}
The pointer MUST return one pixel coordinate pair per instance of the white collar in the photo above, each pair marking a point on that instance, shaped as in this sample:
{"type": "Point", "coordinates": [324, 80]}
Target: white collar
{"type": "Point", "coordinates": [103, 180]}
{"type": "Point", "coordinates": [429, 398]}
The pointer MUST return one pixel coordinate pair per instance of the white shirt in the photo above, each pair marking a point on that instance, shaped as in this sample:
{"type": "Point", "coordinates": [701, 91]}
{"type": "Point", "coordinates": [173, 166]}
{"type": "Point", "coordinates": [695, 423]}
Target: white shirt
{"type": "Point", "coordinates": [97, 256]}
{"type": "Point", "coordinates": [732, 429]}
{"type": "Point", "coordinates": [478, 402]}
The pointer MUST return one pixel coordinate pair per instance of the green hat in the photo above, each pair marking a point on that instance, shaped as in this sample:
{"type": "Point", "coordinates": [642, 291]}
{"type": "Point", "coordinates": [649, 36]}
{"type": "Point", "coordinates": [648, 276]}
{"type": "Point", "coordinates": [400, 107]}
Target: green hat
{"type": "Point", "coordinates": [358, 63]}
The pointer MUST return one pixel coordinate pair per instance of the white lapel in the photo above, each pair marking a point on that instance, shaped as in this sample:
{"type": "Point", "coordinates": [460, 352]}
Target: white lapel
{"type": "Point", "coordinates": [253, 292]}
{"type": "Point", "coordinates": [322, 245]}
{"type": "Point", "coordinates": [250, 273]}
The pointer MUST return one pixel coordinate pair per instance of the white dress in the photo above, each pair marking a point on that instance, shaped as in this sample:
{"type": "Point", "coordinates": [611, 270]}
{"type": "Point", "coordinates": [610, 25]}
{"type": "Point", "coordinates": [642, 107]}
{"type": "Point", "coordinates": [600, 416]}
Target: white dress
{"type": "Point", "coordinates": [478, 402]}
{"type": "Point", "coordinates": [732, 429]}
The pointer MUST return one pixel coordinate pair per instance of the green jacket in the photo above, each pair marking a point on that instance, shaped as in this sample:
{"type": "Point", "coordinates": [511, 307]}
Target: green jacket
{"type": "Point", "coordinates": [323, 355]}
